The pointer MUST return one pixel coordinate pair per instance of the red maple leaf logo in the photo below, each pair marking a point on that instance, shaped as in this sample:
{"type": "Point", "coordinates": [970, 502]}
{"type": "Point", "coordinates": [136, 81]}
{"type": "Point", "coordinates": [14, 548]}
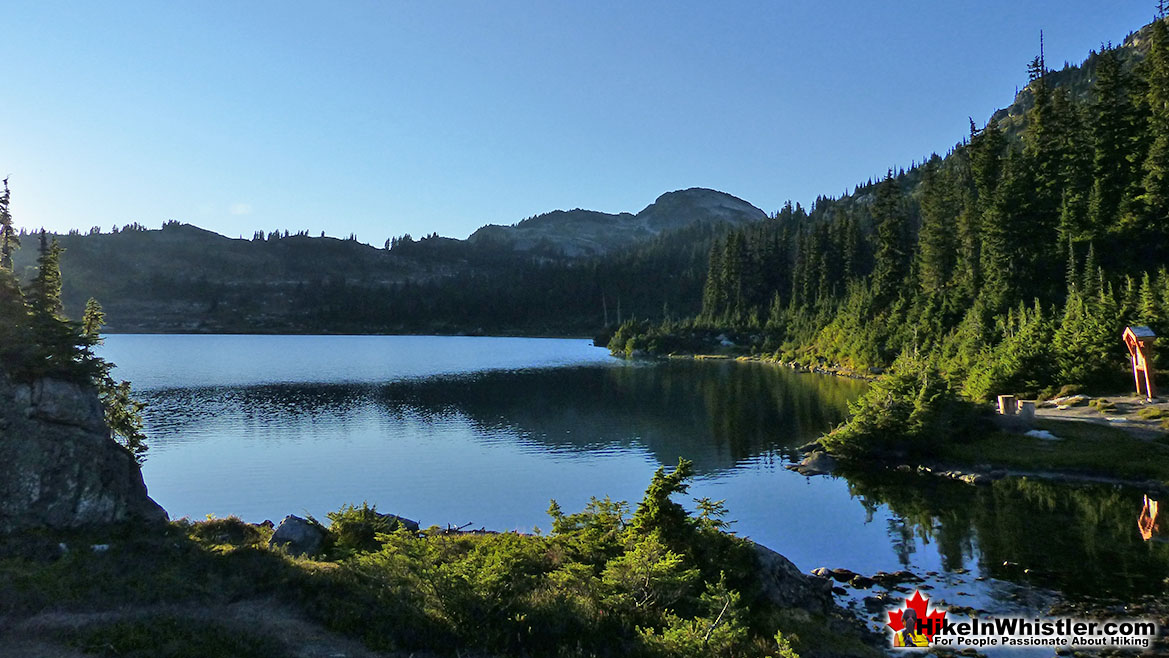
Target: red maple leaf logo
{"type": "Point", "coordinates": [931, 621]}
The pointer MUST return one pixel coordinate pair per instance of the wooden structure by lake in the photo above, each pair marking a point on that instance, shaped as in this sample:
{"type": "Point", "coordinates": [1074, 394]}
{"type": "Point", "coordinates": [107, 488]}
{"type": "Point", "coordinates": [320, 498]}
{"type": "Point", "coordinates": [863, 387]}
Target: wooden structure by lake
{"type": "Point", "coordinates": [1139, 340]}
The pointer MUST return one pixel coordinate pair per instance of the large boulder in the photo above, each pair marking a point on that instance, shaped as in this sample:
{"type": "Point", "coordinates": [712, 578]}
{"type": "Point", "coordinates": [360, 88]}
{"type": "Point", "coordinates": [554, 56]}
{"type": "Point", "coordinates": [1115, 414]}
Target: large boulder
{"type": "Point", "coordinates": [298, 536]}
{"type": "Point", "coordinates": [59, 467]}
{"type": "Point", "coordinates": [784, 585]}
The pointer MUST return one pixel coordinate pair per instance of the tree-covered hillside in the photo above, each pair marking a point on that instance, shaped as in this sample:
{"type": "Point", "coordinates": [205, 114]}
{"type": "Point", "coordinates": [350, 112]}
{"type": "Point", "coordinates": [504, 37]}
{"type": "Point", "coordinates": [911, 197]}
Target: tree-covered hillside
{"type": "Point", "coordinates": [1017, 259]}
{"type": "Point", "coordinates": [1057, 207]}
{"type": "Point", "coordinates": [522, 280]}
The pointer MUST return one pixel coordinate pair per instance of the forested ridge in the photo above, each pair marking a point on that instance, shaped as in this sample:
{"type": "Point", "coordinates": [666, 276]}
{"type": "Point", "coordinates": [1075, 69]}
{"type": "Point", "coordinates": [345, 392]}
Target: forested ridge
{"type": "Point", "coordinates": [183, 278]}
{"type": "Point", "coordinates": [1016, 259]}
{"type": "Point", "coordinates": [1036, 238]}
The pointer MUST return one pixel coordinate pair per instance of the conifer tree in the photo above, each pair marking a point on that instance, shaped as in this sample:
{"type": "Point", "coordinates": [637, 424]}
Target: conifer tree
{"type": "Point", "coordinates": [891, 261]}
{"type": "Point", "coordinates": [9, 240]}
{"type": "Point", "coordinates": [1148, 308]}
{"type": "Point", "coordinates": [1113, 137]}
{"type": "Point", "coordinates": [1155, 197]}
{"type": "Point", "coordinates": [937, 248]}
{"type": "Point", "coordinates": [59, 348]}
{"type": "Point", "coordinates": [14, 340]}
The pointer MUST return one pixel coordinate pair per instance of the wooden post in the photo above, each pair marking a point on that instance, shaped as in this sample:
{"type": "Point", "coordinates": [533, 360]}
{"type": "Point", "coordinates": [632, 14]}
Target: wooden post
{"type": "Point", "coordinates": [1027, 411]}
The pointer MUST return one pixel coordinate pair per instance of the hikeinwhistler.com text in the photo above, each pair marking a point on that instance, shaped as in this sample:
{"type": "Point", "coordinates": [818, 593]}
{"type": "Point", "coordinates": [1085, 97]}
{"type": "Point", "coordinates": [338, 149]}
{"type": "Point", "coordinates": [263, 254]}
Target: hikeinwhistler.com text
{"type": "Point", "coordinates": [1049, 632]}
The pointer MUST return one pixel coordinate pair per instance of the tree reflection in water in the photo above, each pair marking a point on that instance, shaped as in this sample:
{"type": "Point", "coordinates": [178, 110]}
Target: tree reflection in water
{"type": "Point", "coordinates": [1078, 539]}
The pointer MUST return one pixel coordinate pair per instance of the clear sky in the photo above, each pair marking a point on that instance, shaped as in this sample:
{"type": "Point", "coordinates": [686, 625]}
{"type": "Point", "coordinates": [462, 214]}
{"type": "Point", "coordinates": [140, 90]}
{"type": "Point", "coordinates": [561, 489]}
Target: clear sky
{"type": "Point", "coordinates": [383, 117]}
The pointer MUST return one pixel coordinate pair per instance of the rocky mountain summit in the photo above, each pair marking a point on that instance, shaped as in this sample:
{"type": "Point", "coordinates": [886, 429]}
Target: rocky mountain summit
{"type": "Point", "coordinates": [576, 233]}
{"type": "Point", "coordinates": [59, 468]}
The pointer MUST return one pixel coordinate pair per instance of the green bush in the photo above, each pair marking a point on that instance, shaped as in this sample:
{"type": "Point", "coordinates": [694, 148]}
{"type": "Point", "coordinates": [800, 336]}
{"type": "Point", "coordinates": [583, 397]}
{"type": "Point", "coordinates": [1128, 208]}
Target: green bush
{"type": "Point", "coordinates": [660, 582]}
{"type": "Point", "coordinates": [907, 411]}
{"type": "Point", "coordinates": [357, 529]}
{"type": "Point", "coordinates": [230, 531]}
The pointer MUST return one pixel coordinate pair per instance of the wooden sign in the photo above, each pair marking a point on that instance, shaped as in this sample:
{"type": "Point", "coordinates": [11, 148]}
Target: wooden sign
{"type": "Point", "coordinates": [1139, 341]}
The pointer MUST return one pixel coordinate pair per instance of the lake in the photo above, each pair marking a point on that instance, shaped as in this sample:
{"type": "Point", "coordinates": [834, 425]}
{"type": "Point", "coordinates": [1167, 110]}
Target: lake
{"type": "Point", "coordinates": [486, 431]}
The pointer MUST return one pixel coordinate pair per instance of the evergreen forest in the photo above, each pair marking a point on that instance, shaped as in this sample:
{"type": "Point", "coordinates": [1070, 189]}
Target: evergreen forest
{"type": "Point", "coordinates": [1015, 261]}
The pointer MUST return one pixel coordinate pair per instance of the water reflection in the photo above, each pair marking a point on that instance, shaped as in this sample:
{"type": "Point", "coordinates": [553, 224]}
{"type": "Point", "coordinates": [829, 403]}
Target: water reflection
{"type": "Point", "coordinates": [1078, 539]}
{"type": "Point", "coordinates": [1148, 523]}
{"type": "Point", "coordinates": [714, 414]}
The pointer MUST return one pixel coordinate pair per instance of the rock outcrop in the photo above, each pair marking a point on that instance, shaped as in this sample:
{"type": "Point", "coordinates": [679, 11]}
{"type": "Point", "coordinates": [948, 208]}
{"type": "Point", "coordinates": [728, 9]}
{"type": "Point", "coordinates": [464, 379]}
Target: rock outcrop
{"type": "Point", "coordinates": [59, 467]}
{"type": "Point", "coordinates": [784, 585]}
{"type": "Point", "coordinates": [298, 536]}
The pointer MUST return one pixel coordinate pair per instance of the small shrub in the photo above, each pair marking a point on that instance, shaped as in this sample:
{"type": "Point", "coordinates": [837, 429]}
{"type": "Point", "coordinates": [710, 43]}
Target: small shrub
{"type": "Point", "coordinates": [230, 531]}
{"type": "Point", "coordinates": [909, 410]}
{"type": "Point", "coordinates": [356, 529]}
{"type": "Point", "coordinates": [1103, 405]}
{"type": "Point", "coordinates": [1152, 413]}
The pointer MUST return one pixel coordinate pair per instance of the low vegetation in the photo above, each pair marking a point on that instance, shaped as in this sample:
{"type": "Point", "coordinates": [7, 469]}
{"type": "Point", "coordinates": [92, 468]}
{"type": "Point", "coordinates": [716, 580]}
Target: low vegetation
{"type": "Point", "coordinates": [659, 581]}
{"type": "Point", "coordinates": [911, 411]}
{"type": "Point", "coordinates": [1081, 448]}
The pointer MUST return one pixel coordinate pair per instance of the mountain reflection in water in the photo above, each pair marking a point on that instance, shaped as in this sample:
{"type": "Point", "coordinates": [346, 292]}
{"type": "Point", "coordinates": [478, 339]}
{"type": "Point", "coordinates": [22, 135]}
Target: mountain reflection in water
{"type": "Point", "coordinates": [717, 415]}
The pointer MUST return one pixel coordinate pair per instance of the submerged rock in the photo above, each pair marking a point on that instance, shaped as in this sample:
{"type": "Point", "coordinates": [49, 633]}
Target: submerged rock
{"type": "Point", "coordinates": [59, 467]}
{"type": "Point", "coordinates": [842, 575]}
{"type": "Point", "coordinates": [817, 463]}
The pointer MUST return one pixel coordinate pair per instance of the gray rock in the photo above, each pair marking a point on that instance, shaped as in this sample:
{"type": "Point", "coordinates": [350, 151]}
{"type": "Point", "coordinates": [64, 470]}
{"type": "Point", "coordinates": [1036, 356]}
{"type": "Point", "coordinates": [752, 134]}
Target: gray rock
{"type": "Point", "coordinates": [408, 524]}
{"type": "Point", "coordinates": [861, 582]}
{"type": "Point", "coordinates": [64, 403]}
{"type": "Point", "coordinates": [879, 603]}
{"type": "Point", "coordinates": [783, 584]}
{"type": "Point", "coordinates": [817, 463]}
{"type": "Point", "coordinates": [843, 575]}
{"type": "Point", "coordinates": [298, 536]}
{"type": "Point", "coordinates": [59, 468]}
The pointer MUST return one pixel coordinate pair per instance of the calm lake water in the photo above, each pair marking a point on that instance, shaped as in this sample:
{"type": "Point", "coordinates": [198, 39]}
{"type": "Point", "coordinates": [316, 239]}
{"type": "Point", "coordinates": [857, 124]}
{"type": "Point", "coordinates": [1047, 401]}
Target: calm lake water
{"type": "Point", "coordinates": [458, 430]}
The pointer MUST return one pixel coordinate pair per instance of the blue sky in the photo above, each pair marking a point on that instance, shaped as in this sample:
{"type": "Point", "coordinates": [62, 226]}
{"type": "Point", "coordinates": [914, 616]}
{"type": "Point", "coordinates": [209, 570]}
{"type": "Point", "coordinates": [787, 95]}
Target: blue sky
{"type": "Point", "coordinates": [384, 118]}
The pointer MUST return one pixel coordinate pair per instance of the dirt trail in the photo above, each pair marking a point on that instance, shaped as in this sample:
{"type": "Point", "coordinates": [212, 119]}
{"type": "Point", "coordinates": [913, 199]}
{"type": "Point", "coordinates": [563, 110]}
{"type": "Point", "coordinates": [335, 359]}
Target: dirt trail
{"type": "Point", "coordinates": [1121, 412]}
{"type": "Point", "coordinates": [44, 635]}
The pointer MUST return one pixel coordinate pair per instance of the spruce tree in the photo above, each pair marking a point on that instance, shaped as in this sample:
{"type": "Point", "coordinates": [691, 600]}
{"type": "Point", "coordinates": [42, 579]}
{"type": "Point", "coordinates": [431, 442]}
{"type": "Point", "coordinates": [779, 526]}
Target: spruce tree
{"type": "Point", "coordinates": [1148, 310]}
{"type": "Point", "coordinates": [15, 344]}
{"type": "Point", "coordinates": [891, 261]}
{"type": "Point", "coordinates": [937, 239]}
{"type": "Point", "coordinates": [9, 240]}
{"type": "Point", "coordinates": [1155, 168]}
{"type": "Point", "coordinates": [1113, 137]}
{"type": "Point", "coordinates": [58, 346]}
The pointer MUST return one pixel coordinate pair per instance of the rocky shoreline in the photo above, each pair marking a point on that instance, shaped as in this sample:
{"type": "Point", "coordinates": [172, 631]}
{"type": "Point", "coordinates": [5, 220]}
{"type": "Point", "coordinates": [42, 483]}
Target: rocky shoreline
{"type": "Point", "coordinates": [818, 462]}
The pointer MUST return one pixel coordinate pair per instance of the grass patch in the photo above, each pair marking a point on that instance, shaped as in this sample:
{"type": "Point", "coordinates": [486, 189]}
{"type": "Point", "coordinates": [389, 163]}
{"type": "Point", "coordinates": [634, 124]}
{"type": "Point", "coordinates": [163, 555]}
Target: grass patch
{"type": "Point", "coordinates": [174, 637]}
{"type": "Point", "coordinates": [1103, 405]}
{"type": "Point", "coordinates": [1085, 448]}
{"type": "Point", "coordinates": [1152, 413]}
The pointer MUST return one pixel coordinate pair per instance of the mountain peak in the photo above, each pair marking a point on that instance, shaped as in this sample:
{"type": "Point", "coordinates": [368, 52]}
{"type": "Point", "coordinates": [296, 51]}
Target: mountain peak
{"type": "Point", "coordinates": [590, 233]}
